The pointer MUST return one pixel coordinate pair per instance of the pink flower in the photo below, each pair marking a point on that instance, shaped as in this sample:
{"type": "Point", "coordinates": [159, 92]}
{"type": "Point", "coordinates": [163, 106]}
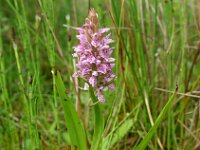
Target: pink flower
{"type": "Point", "coordinates": [93, 54]}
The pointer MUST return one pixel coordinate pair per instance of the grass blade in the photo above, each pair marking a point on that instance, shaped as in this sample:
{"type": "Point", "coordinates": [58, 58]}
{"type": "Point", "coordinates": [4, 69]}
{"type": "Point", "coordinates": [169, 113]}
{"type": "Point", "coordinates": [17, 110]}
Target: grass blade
{"type": "Point", "coordinates": [153, 129]}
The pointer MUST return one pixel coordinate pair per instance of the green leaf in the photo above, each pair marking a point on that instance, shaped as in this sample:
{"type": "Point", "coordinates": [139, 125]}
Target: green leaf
{"type": "Point", "coordinates": [99, 122]}
{"type": "Point", "coordinates": [122, 131]}
{"type": "Point", "coordinates": [73, 123]}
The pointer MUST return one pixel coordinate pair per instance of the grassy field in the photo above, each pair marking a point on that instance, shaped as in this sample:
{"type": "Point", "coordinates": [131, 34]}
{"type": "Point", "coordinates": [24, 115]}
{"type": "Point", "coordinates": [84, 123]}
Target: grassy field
{"type": "Point", "coordinates": [156, 102]}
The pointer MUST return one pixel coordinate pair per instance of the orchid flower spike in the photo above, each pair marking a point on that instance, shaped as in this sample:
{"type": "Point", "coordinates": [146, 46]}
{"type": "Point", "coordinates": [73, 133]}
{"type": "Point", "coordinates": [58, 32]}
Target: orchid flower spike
{"type": "Point", "coordinates": [93, 54]}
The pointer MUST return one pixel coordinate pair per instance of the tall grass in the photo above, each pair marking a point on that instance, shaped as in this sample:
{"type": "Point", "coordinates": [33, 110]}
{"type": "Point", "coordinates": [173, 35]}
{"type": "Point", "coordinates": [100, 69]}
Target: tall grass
{"type": "Point", "coordinates": [156, 50]}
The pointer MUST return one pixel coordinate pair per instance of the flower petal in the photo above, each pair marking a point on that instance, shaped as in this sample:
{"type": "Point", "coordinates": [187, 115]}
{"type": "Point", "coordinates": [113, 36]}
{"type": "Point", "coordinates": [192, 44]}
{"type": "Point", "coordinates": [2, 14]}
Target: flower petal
{"type": "Point", "coordinates": [102, 68]}
{"type": "Point", "coordinates": [93, 81]}
{"type": "Point", "coordinates": [100, 96]}
{"type": "Point", "coordinates": [86, 86]}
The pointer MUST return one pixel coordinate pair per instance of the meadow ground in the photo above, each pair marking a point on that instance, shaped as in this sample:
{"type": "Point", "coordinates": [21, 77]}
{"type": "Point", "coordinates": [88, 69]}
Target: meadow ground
{"type": "Point", "coordinates": [156, 101]}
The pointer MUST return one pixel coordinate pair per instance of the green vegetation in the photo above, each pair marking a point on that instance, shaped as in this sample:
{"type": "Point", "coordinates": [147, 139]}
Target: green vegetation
{"type": "Point", "coordinates": [156, 102]}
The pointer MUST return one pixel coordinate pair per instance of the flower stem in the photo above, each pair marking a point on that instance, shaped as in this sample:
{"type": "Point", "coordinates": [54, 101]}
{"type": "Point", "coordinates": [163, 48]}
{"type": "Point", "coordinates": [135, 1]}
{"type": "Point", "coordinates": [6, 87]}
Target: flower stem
{"type": "Point", "coordinates": [99, 121]}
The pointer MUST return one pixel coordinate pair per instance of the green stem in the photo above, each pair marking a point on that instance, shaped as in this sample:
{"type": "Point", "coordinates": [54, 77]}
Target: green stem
{"type": "Point", "coordinates": [99, 122]}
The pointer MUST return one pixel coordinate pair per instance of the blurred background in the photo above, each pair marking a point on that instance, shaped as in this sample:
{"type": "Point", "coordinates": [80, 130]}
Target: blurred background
{"type": "Point", "coordinates": [156, 50]}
